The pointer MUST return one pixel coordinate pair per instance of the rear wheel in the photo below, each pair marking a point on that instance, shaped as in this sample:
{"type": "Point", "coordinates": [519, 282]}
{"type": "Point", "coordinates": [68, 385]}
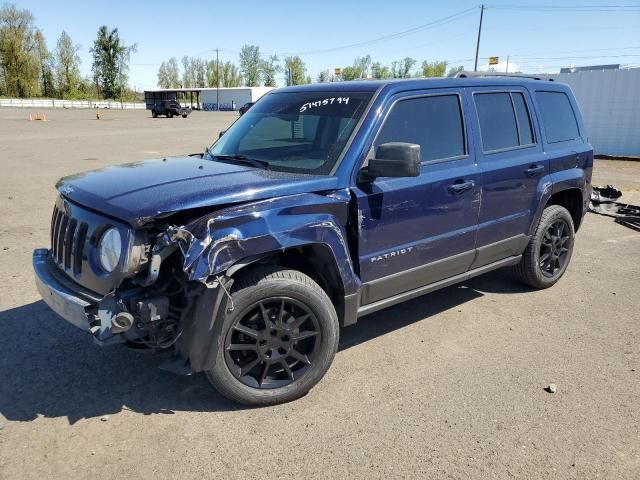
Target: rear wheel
{"type": "Point", "coordinates": [154, 114]}
{"type": "Point", "coordinates": [169, 114]}
{"type": "Point", "coordinates": [279, 340]}
{"type": "Point", "coordinates": [547, 256]}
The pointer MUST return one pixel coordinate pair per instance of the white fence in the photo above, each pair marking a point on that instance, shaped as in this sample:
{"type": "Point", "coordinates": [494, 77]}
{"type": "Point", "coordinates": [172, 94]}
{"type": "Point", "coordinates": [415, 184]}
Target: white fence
{"type": "Point", "coordinates": [610, 104]}
{"type": "Point", "coordinates": [53, 103]}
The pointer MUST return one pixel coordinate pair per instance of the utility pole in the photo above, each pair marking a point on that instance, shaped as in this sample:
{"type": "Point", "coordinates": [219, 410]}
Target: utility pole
{"type": "Point", "coordinates": [217, 81]}
{"type": "Point", "coordinates": [506, 70]}
{"type": "Point", "coordinates": [482, 7]}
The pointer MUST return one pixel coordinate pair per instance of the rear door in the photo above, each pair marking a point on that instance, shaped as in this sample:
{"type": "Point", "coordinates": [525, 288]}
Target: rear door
{"type": "Point", "coordinates": [514, 167]}
{"type": "Point", "coordinates": [419, 230]}
{"type": "Point", "coordinates": [565, 144]}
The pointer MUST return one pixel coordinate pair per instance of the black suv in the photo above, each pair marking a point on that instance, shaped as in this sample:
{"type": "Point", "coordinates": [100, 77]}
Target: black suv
{"type": "Point", "coordinates": [169, 108]}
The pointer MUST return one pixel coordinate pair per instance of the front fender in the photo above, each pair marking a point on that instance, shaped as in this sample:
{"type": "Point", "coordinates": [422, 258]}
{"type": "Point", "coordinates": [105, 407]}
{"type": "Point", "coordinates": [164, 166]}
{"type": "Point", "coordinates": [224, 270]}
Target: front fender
{"type": "Point", "coordinates": [213, 243]}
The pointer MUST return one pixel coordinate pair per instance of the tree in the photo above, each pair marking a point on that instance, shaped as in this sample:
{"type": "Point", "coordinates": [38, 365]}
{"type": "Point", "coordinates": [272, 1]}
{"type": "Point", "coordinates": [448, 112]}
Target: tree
{"type": "Point", "coordinates": [46, 65]}
{"type": "Point", "coordinates": [402, 68]}
{"type": "Point", "coordinates": [454, 70]}
{"type": "Point", "coordinates": [323, 76]}
{"type": "Point", "coordinates": [18, 52]}
{"type": "Point", "coordinates": [212, 69]}
{"type": "Point", "coordinates": [434, 69]}
{"type": "Point", "coordinates": [251, 65]}
{"type": "Point", "coordinates": [110, 62]}
{"type": "Point", "coordinates": [67, 60]}
{"type": "Point", "coordinates": [230, 75]}
{"type": "Point", "coordinates": [270, 68]}
{"type": "Point", "coordinates": [362, 66]}
{"type": "Point", "coordinates": [124, 55]}
{"type": "Point", "coordinates": [199, 67]}
{"type": "Point", "coordinates": [188, 74]}
{"type": "Point", "coordinates": [168, 74]}
{"type": "Point", "coordinates": [349, 73]}
{"type": "Point", "coordinates": [360, 69]}
{"type": "Point", "coordinates": [380, 72]}
{"type": "Point", "coordinates": [295, 70]}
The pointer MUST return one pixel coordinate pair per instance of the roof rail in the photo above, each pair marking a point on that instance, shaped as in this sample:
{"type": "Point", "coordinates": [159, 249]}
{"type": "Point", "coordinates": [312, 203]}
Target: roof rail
{"type": "Point", "coordinates": [465, 74]}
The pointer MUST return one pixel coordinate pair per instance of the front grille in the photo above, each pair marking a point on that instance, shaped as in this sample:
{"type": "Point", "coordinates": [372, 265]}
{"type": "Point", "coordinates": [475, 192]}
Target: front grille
{"type": "Point", "coordinates": [68, 238]}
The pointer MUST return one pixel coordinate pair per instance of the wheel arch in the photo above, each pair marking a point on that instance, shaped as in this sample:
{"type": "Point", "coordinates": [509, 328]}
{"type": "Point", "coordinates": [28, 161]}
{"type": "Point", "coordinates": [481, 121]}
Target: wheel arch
{"type": "Point", "coordinates": [571, 199]}
{"type": "Point", "coordinates": [315, 260]}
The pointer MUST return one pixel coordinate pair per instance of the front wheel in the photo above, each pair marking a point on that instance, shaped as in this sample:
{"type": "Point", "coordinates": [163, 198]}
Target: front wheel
{"type": "Point", "coordinates": [169, 114]}
{"type": "Point", "coordinates": [184, 115]}
{"type": "Point", "coordinates": [549, 251]}
{"type": "Point", "coordinates": [279, 340]}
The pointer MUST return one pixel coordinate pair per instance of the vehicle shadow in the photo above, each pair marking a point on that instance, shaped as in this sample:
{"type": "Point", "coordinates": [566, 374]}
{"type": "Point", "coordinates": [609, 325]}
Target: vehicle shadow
{"type": "Point", "coordinates": [48, 368]}
{"type": "Point", "coordinates": [421, 308]}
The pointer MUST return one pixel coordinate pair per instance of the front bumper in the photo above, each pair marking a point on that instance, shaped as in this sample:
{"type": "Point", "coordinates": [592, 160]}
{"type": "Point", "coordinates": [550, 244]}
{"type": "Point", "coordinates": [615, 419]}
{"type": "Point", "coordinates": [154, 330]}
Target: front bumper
{"type": "Point", "coordinates": [58, 294]}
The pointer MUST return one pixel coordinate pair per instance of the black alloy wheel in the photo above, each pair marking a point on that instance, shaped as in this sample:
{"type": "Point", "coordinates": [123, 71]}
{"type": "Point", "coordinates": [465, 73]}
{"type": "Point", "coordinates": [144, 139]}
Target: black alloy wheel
{"type": "Point", "coordinates": [273, 344]}
{"type": "Point", "coordinates": [554, 248]}
{"type": "Point", "coordinates": [548, 253]}
{"type": "Point", "coordinates": [277, 341]}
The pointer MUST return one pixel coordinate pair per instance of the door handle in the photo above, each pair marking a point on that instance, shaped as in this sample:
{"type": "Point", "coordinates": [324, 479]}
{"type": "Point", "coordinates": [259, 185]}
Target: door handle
{"type": "Point", "coordinates": [534, 170]}
{"type": "Point", "coordinates": [461, 186]}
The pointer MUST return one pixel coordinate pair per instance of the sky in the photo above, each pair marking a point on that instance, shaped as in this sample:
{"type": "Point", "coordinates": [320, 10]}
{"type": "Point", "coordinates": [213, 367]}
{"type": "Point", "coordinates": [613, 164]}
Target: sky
{"type": "Point", "coordinates": [537, 38]}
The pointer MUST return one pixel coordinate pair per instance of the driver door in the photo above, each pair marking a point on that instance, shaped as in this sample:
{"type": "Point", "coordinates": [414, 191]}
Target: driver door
{"type": "Point", "coordinates": [416, 231]}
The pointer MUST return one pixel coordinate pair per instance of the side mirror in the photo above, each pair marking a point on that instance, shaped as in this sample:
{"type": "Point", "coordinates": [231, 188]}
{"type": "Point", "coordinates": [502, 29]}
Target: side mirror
{"type": "Point", "coordinates": [222, 132]}
{"type": "Point", "coordinates": [393, 159]}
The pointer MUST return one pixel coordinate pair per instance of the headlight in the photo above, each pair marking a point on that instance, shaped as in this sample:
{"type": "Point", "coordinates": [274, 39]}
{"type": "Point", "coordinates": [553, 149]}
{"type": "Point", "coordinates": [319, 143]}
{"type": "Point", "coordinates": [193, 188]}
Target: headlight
{"type": "Point", "coordinates": [109, 249]}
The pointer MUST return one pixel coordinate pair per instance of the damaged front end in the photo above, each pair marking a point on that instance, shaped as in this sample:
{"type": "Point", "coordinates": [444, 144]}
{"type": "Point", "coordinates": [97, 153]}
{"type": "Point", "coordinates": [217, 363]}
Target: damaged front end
{"type": "Point", "coordinates": [183, 279]}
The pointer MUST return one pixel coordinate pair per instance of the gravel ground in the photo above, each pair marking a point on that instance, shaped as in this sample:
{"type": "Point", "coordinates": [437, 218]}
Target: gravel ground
{"type": "Point", "coordinates": [450, 385]}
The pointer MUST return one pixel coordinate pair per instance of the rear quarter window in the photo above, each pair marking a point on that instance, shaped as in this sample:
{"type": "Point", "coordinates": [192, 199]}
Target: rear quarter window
{"type": "Point", "coordinates": [504, 121]}
{"type": "Point", "coordinates": [558, 118]}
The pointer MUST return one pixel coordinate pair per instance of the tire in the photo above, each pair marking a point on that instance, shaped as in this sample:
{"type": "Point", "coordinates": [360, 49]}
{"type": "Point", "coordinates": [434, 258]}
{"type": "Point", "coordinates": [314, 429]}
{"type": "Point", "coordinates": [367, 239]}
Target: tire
{"type": "Point", "coordinates": [538, 267]}
{"type": "Point", "coordinates": [184, 115]}
{"type": "Point", "coordinates": [169, 114]}
{"type": "Point", "coordinates": [268, 382]}
{"type": "Point", "coordinates": [154, 114]}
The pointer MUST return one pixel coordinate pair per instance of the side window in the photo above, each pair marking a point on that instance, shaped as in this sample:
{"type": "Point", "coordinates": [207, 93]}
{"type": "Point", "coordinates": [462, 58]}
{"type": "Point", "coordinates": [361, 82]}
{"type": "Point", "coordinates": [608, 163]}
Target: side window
{"type": "Point", "coordinates": [525, 132]}
{"type": "Point", "coordinates": [498, 126]}
{"type": "Point", "coordinates": [558, 118]}
{"type": "Point", "coordinates": [433, 122]}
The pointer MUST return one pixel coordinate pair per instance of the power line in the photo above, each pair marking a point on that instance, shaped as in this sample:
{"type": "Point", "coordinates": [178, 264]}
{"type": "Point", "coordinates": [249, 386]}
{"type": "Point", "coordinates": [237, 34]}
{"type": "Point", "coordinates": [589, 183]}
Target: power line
{"type": "Point", "coordinates": [587, 57]}
{"type": "Point", "coordinates": [568, 8]}
{"type": "Point", "coordinates": [393, 36]}
{"type": "Point", "coordinates": [573, 51]}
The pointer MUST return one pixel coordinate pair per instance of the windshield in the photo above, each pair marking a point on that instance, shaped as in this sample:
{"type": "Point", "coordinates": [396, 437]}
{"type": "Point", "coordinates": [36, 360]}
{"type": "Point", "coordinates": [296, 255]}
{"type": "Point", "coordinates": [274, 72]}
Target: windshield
{"type": "Point", "coordinates": [295, 131]}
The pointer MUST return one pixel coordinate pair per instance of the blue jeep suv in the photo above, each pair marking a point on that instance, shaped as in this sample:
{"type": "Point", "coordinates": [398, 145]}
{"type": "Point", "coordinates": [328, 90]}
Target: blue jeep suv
{"type": "Point", "coordinates": [321, 204]}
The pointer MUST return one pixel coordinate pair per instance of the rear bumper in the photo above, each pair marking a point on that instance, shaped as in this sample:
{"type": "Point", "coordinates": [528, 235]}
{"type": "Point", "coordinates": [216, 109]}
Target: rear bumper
{"type": "Point", "coordinates": [57, 294]}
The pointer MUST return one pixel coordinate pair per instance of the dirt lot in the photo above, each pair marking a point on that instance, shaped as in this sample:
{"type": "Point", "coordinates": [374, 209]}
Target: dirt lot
{"type": "Point", "coordinates": [450, 385]}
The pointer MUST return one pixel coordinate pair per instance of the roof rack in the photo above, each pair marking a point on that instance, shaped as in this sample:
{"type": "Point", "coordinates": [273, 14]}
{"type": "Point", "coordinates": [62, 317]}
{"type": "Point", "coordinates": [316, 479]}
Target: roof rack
{"type": "Point", "coordinates": [465, 74]}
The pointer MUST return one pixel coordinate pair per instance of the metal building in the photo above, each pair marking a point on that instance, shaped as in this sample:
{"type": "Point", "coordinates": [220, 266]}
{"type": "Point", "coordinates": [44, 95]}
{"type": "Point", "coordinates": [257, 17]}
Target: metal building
{"type": "Point", "coordinates": [230, 98]}
{"type": "Point", "coordinates": [610, 103]}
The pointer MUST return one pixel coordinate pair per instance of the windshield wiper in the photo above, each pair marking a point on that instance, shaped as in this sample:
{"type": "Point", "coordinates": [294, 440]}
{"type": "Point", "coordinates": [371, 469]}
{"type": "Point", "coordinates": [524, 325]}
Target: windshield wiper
{"type": "Point", "coordinates": [254, 162]}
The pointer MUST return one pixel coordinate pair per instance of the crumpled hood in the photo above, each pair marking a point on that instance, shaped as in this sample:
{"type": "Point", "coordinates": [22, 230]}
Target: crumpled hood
{"type": "Point", "coordinates": [138, 192]}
